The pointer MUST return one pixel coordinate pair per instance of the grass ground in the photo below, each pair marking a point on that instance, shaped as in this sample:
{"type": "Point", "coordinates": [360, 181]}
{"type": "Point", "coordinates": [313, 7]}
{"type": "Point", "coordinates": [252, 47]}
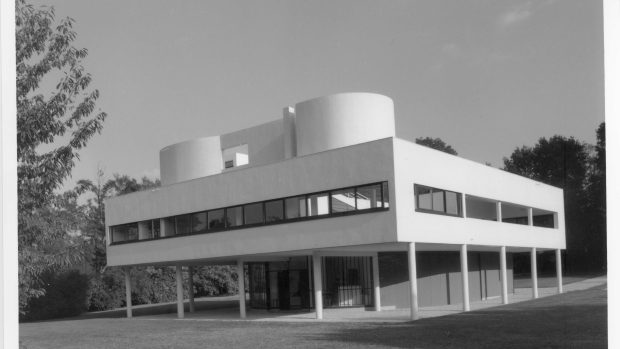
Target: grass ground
{"type": "Point", "coordinates": [575, 319]}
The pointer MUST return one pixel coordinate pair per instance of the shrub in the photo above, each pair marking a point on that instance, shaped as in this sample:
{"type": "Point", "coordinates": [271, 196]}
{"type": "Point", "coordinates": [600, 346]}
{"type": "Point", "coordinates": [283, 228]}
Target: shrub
{"type": "Point", "coordinates": [65, 295]}
{"type": "Point", "coordinates": [107, 291]}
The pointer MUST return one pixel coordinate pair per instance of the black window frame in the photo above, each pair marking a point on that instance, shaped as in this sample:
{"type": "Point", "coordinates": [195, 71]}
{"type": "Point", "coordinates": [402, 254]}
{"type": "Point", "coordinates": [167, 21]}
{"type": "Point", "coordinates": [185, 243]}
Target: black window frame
{"type": "Point", "coordinates": [382, 206]}
{"type": "Point", "coordinates": [459, 198]}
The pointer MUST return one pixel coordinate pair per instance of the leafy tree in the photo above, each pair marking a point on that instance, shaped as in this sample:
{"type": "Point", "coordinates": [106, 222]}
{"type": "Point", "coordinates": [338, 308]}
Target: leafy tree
{"type": "Point", "coordinates": [52, 126]}
{"type": "Point", "coordinates": [596, 208]}
{"type": "Point", "coordinates": [437, 144]}
{"type": "Point", "coordinates": [563, 162]}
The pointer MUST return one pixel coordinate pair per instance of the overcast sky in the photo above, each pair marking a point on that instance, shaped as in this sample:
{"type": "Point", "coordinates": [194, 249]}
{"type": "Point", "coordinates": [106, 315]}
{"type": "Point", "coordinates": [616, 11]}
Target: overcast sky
{"type": "Point", "coordinates": [484, 76]}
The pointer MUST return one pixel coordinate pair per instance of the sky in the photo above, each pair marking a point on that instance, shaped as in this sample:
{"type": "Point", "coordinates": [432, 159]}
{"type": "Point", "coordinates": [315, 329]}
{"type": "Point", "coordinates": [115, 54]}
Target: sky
{"type": "Point", "coordinates": [486, 76]}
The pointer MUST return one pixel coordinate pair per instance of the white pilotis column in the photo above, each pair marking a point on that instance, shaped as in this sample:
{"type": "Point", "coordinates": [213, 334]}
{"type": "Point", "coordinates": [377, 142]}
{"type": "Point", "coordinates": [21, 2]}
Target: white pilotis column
{"type": "Point", "coordinates": [375, 281]}
{"type": "Point", "coordinates": [534, 273]}
{"type": "Point", "coordinates": [413, 282]}
{"type": "Point", "coordinates": [190, 290]}
{"type": "Point", "coordinates": [558, 268]}
{"type": "Point", "coordinates": [241, 278]}
{"type": "Point", "coordinates": [128, 292]}
{"type": "Point", "coordinates": [465, 277]}
{"type": "Point", "coordinates": [504, 274]}
{"type": "Point", "coordinates": [180, 309]}
{"type": "Point", "coordinates": [498, 210]}
{"type": "Point", "coordinates": [318, 285]}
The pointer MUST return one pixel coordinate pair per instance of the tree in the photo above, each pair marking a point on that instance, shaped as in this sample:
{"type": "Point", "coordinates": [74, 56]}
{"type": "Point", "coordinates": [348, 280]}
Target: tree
{"type": "Point", "coordinates": [437, 144]}
{"type": "Point", "coordinates": [52, 126]}
{"type": "Point", "coordinates": [564, 163]}
{"type": "Point", "coordinates": [596, 208]}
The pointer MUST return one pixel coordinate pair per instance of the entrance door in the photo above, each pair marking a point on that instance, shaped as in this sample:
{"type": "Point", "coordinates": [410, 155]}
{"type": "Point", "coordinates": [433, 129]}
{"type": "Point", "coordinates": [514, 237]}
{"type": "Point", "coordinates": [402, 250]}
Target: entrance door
{"type": "Point", "coordinates": [283, 290]}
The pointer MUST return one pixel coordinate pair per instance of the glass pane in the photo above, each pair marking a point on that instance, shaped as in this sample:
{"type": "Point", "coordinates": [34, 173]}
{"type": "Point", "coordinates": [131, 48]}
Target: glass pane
{"type": "Point", "coordinates": [424, 198]}
{"type": "Point", "coordinates": [156, 228]}
{"type": "Point", "coordinates": [274, 211]}
{"type": "Point", "coordinates": [169, 227]}
{"type": "Point", "coordinates": [253, 213]}
{"type": "Point", "coordinates": [199, 222]}
{"type": "Point", "coordinates": [234, 216]}
{"type": "Point", "coordinates": [295, 207]}
{"type": "Point", "coordinates": [184, 223]}
{"type": "Point", "coordinates": [216, 219]}
{"type": "Point", "coordinates": [132, 232]}
{"type": "Point", "coordinates": [438, 200]}
{"type": "Point", "coordinates": [145, 230]}
{"type": "Point", "coordinates": [452, 202]}
{"type": "Point", "coordinates": [318, 204]}
{"type": "Point", "coordinates": [386, 195]}
{"type": "Point", "coordinates": [368, 197]}
{"type": "Point", "coordinates": [343, 200]}
{"type": "Point", "coordinates": [118, 234]}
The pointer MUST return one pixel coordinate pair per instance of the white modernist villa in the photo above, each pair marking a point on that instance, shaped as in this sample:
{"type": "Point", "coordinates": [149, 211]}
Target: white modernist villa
{"type": "Point", "coordinates": [326, 207]}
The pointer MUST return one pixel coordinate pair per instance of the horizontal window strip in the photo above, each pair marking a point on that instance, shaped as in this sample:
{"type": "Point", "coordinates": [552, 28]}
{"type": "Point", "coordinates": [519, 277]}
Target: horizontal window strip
{"type": "Point", "coordinates": [325, 204]}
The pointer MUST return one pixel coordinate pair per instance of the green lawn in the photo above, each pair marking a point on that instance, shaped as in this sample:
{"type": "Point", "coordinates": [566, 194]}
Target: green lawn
{"type": "Point", "coordinates": [575, 319]}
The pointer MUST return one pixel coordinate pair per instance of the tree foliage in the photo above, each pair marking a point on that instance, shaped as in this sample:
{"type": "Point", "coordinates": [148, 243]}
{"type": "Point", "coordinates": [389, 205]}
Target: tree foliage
{"type": "Point", "coordinates": [569, 164]}
{"type": "Point", "coordinates": [52, 126]}
{"type": "Point", "coordinates": [437, 144]}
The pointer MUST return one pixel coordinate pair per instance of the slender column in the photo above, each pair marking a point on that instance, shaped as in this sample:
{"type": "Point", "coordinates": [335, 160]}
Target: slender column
{"type": "Point", "coordinates": [318, 285]}
{"type": "Point", "coordinates": [498, 211]}
{"type": "Point", "coordinates": [375, 281]}
{"type": "Point", "coordinates": [128, 292]}
{"type": "Point", "coordinates": [190, 286]}
{"type": "Point", "coordinates": [464, 205]}
{"type": "Point", "coordinates": [180, 309]}
{"type": "Point", "coordinates": [530, 216]}
{"type": "Point", "coordinates": [241, 278]}
{"type": "Point", "coordinates": [413, 282]}
{"type": "Point", "coordinates": [558, 268]}
{"type": "Point", "coordinates": [309, 263]}
{"type": "Point", "coordinates": [504, 274]}
{"type": "Point", "coordinates": [465, 277]}
{"type": "Point", "coordinates": [534, 273]}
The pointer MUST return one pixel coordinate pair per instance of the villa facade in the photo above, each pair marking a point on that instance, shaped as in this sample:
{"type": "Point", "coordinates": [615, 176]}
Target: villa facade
{"type": "Point", "coordinates": [326, 207]}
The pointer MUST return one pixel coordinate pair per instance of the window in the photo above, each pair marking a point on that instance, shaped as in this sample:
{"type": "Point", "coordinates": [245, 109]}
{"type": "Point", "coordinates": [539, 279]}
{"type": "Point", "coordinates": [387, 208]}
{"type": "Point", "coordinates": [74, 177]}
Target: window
{"type": "Point", "coordinates": [156, 229]}
{"type": "Point", "coordinates": [253, 213]}
{"type": "Point", "coordinates": [343, 200]}
{"type": "Point", "coordinates": [216, 219]}
{"type": "Point", "coordinates": [125, 232]}
{"type": "Point", "coordinates": [234, 216]}
{"type": "Point", "coordinates": [169, 226]}
{"type": "Point", "coordinates": [433, 200]}
{"type": "Point", "coordinates": [386, 194]}
{"type": "Point", "coordinates": [368, 197]}
{"type": "Point", "coordinates": [542, 218]}
{"type": "Point", "coordinates": [515, 214]}
{"type": "Point", "coordinates": [274, 211]}
{"type": "Point", "coordinates": [199, 222]}
{"type": "Point", "coordinates": [145, 230]}
{"type": "Point", "coordinates": [330, 203]}
{"type": "Point", "coordinates": [295, 207]}
{"type": "Point", "coordinates": [318, 204]}
{"type": "Point", "coordinates": [481, 208]}
{"type": "Point", "coordinates": [184, 223]}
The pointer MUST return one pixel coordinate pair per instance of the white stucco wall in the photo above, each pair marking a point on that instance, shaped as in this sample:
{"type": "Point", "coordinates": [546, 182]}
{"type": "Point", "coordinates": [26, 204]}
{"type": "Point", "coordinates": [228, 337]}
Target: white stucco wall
{"type": "Point", "coordinates": [265, 142]}
{"type": "Point", "coordinates": [342, 120]}
{"type": "Point", "coordinates": [355, 165]}
{"type": "Point", "coordinates": [190, 159]}
{"type": "Point", "coordinates": [425, 166]}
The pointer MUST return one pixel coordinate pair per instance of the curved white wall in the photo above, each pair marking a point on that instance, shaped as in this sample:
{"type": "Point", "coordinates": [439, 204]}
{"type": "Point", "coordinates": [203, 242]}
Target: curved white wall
{"type": "Point", "coordinates": [342, 120]}
{"type": "Point", "coordinates": [190, 159]}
